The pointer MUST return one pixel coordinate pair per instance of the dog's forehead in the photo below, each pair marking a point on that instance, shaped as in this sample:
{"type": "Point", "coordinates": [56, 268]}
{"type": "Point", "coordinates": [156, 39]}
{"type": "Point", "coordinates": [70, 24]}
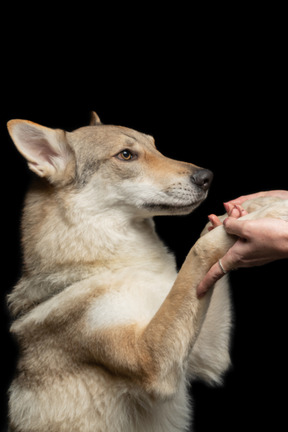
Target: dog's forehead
{"type": "Point", "coordinates": [137, 136]}
{"type": "Point", "coordinates": [105, 136]}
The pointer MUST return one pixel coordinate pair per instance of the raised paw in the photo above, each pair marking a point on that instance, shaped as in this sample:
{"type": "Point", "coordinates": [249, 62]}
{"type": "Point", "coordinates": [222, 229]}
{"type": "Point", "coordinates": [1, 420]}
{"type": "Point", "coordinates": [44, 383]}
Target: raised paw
{"type": "Point", "coordinates": [274, 208]}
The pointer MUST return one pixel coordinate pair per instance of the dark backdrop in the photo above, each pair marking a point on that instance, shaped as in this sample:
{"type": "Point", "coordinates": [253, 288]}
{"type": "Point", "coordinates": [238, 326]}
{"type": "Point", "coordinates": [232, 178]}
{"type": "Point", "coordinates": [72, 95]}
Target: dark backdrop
{"type": "Point", "coordinates": [219, 102]}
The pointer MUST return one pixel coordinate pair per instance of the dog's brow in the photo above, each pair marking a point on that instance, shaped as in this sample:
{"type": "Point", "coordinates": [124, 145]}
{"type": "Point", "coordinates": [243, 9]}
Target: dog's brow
{"type": "Point", "coordinates": [129, 136]}
{"type": "Point", "coordinates": [151, 139]}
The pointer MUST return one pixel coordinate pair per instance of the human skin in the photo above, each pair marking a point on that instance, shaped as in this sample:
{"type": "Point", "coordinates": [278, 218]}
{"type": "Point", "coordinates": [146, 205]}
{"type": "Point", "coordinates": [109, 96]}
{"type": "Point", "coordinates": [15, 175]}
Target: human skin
{"type": "Point", "coordinates": [259, 241]}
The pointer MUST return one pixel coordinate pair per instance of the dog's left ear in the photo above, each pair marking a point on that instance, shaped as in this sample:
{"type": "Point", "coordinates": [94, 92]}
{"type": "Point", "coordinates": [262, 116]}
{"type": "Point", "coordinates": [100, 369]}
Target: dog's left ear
{"type": "Point", "coordinates": [94, 119]}
{"type": "Point", "coordinates": [46, 150]}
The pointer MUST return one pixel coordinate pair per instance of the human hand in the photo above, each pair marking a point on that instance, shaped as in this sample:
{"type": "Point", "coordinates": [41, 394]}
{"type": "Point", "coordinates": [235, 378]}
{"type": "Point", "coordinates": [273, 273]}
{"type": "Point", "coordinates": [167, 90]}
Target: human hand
{"type": "Point", "coordinates": [259, 242]}
{"type": "Point", "coordinates": [234, 207]}
{"type": "Point", "coordinates": [233, 210]}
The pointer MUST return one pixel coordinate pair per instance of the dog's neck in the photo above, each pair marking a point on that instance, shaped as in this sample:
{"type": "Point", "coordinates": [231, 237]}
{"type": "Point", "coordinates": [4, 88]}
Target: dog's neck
{"type": "Point", "coordinates": [58, 232]}
{"type": "Point", "coordinates": [60, 252]}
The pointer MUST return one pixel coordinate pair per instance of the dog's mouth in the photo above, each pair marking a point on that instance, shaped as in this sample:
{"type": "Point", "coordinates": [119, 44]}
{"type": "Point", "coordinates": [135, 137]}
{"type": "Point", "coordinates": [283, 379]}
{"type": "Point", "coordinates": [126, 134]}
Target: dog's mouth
{"type": "Point", "coordinates": [182, 197]}
{"type": "Point", "coordinates": [177, 198]}
{"type": "Point", "coordinates": [174, 207]}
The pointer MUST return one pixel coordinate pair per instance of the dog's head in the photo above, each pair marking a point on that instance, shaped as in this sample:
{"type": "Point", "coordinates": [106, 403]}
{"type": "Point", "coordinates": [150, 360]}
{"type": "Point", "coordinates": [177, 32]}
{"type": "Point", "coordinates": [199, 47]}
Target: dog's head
{"type": "Point", "coordinates": [111, 166]}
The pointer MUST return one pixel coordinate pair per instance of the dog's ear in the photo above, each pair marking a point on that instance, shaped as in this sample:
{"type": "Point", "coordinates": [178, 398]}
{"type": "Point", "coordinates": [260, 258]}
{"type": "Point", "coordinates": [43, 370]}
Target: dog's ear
{"type": "Point", "coordinates": [94, 119]}
{"type": "Point", "coordinates": [46, 150]}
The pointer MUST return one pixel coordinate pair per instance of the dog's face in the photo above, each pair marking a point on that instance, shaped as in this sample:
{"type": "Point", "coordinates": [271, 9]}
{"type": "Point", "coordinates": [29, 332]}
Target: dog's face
{"type": "Point", "coordinates": [111, 166]}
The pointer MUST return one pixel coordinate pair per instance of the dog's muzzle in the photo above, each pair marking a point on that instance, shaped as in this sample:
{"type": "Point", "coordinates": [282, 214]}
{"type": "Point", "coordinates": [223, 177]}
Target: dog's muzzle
{"type": "Point", "coordinates": [202, 178]}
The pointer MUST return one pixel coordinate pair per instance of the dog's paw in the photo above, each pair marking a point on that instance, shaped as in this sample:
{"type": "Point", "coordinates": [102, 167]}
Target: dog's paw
{"type": "Point", "coordinates": [270, 206]}
{"type": "Point", "coordinates": [274, 208]}
{"type": "Point", "coordinates": [254, 204]}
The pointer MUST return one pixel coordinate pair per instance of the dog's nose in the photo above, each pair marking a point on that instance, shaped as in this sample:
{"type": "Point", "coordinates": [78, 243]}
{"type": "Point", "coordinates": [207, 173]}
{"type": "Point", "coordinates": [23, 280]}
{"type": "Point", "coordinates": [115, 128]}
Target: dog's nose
{"type": "Point", "coordinates": [202, 178]}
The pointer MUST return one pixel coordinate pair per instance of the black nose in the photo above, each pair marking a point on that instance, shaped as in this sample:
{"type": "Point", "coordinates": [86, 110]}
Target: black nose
{"type": "Point", "coordinates": [202, 178]}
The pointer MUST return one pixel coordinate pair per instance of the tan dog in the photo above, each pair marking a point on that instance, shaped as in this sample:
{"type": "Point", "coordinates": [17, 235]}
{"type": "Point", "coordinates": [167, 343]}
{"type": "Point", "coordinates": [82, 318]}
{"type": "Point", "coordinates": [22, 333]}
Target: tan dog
{"type": "Point", "coordinates": [109, 334]}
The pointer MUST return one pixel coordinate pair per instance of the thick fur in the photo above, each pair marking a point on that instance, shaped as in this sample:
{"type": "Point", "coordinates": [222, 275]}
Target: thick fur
{"type": "Point", "coordinates": [110, 336]}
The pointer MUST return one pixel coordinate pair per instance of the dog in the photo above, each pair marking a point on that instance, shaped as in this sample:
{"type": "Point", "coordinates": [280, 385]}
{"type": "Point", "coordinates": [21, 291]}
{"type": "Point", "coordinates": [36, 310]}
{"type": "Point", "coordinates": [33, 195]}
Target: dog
{"type": "Point", "coordinates": [110, 335]}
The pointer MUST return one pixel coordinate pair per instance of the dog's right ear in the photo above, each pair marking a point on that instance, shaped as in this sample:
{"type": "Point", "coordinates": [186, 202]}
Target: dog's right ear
{"type": "Point", "coordinates": [46, 150]}
{"type": "Point", "coordinates": [94, 119]}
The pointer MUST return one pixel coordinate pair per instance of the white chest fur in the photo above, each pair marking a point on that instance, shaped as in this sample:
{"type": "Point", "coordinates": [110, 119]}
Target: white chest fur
{"type": "Point", "coordinates": [130, 298]}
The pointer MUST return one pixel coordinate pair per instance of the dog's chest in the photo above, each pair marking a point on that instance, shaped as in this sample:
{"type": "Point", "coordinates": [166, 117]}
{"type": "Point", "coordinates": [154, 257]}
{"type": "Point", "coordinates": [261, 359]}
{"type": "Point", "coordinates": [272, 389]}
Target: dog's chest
{"type": "Point", "coordinates": [132, 297]}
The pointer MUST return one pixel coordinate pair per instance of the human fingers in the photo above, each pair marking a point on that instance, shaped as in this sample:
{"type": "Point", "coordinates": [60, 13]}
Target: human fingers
{"type": "Point", "coordinates": [234, 226]}
{"type": "Point", "coordinates": [228, 207]}
{"type": "Point", "coordinates": [212, 276]}
{"type": "Point", "coordinates": [227, 263]}
{"type": "Point", "coordinates": [237, 201]}
{"type": "Point", "coordinates": [238, 211]}
{"type": "Point", "coordinates": [214, 220]}
{"type": "Point", "coordinates": [235, 210]}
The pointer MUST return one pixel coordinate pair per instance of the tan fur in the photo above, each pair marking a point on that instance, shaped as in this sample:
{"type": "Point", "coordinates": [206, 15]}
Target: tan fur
{"type": "Point", "coordinates": [109, 334]}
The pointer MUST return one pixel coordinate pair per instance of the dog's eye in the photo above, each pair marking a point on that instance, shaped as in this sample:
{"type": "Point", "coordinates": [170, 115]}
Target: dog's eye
{"type": "Point", "coordinates": [126, 155]}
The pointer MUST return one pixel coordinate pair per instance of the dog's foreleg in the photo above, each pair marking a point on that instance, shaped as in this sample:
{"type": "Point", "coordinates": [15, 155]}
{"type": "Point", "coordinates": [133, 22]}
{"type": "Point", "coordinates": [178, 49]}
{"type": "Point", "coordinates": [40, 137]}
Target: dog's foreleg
{"type": "Point", "coordinates": [173, 331]}
{"type": "Point", "coordinates": [156, 355]}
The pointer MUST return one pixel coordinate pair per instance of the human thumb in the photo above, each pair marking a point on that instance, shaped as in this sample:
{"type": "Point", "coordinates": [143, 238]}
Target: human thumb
{"type": "Point", "coordinates": [234, 226]}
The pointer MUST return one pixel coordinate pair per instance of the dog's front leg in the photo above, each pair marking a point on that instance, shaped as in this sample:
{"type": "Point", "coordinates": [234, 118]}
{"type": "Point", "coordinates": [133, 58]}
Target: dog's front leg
{"type": "Point", "coordinates": [171, 334]}
{"type": "Point", "coordinates": [156, 356]}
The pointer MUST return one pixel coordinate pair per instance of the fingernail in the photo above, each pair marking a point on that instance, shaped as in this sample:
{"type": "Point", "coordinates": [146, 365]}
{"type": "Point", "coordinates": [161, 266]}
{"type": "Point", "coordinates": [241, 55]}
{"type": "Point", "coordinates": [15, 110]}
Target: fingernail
{"type": "Point", "coordinates": [229, 208]}
{"type": "Point", "coordinates": [226, 206]}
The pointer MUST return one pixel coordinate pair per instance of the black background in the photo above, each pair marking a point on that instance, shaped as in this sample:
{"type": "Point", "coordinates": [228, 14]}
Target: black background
{"type": "Point", "coordinates": [212, 89]}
